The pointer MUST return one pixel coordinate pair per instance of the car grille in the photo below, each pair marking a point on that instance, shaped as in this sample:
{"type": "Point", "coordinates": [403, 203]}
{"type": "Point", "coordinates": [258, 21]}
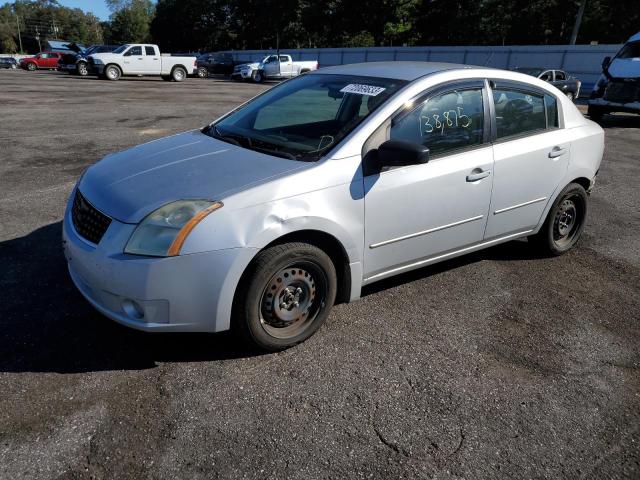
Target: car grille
{"type": "Point", "coordinates": [90, 223]}
{"type": "Point", "coordinates": [622, 92]}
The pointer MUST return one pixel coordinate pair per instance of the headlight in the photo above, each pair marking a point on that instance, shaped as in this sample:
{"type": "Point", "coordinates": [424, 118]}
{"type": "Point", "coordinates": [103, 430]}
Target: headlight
{"type": "Point", "coordinates": [163, 232]}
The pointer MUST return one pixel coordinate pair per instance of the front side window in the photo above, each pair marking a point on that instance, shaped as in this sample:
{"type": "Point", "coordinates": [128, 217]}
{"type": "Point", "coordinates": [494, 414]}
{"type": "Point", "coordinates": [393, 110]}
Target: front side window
{"type": "Point", "coordinates": [518, 112]}
{"type": "Point", "coordinates": [149, 51]}
{"type": "Point", "coordinates": [446, 122]}
{"type": "Point", "coordinates": [304, 118]}
{"type": "Point", "coordinates": [135, 51]}
{"type": "Point", "coordinates": [546, 76]}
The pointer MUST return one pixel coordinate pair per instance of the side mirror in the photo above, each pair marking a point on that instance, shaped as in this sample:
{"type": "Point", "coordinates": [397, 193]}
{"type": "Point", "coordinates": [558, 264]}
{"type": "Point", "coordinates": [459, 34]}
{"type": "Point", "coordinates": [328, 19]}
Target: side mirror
{"type": "Point", "coordinates": [400, 153]}
{"type": "Point", "coordinates": [606, 62]}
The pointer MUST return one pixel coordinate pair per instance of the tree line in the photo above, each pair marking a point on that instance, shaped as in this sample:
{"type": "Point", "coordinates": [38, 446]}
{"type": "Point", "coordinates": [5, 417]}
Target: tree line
{"type": "Point", "coordinates": [207, 25]}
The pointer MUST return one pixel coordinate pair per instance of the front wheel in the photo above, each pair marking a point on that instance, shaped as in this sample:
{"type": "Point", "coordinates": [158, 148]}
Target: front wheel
{"type": "Point", "coordinates": [564, 223]}
{"type": "Point", "coordinates": [285, 296]}
{"type": "Point", "coordinates": [202, 72]}
{"type": "Point", "coordinates": [257, 76]}
{"type": "Point", "coordinates": [82, 69]}
{"type": "Point", "coordinates": [31, 66]}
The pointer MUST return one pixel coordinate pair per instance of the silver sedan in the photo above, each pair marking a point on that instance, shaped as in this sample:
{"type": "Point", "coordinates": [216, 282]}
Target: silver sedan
{"type": "Point", "coordinates": [264, 219]}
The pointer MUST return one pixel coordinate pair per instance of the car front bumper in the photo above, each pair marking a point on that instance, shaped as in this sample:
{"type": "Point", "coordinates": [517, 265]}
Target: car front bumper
{"type": "Point", "coordinates": [187, 293]}
{"type": "Point", "coordinates": [96, 69]}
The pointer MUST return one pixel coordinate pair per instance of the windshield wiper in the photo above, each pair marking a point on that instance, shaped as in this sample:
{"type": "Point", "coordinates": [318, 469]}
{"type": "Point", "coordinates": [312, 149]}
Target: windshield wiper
{"type": "Point", "coordinates": [275, 153]}
{"type": "Point", "coordinates": [213, 131]}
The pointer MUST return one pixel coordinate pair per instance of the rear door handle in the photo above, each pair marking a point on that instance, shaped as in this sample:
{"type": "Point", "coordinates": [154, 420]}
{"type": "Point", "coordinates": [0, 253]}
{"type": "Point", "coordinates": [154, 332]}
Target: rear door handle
{"type": "Point", "coordinates": [557, 152]}
{"type": "Point", "coordinates": [478, 174]}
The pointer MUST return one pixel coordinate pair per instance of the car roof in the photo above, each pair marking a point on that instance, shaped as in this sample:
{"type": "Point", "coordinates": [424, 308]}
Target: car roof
{"type": "Point", "coordinates": [399, 70]}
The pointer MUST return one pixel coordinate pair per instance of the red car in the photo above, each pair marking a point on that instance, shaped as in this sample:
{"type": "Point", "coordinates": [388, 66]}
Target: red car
{"type": "Point", "coordinates": [41, 60]}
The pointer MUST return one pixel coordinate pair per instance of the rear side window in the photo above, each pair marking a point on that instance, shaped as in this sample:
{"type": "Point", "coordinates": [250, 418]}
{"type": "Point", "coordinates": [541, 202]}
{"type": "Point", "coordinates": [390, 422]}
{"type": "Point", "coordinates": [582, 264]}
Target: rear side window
{"type": "Point", "coordinates": [551, 106]}
{"type": "Point", "coordinates": [149, 51]}
{"type": "Point", "coordinates": [518, 113]}
{"type": "Point", "coordinates": [560, 75]}
{"type": "Point", "coordinates": [444, 123]}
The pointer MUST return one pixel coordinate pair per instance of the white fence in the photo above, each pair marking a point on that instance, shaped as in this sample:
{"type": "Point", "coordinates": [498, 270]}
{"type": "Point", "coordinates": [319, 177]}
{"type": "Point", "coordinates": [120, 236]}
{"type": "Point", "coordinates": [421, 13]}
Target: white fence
{"type": "Point", "coordinates": [582, 61]}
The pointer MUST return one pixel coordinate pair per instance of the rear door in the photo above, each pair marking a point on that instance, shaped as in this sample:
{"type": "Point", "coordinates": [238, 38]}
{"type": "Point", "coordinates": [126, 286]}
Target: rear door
{"type": "Point", "coordinates": [531, 156]}
{"type": "Point", "coordinates": [151, 63]}
{"type": "Point", "coordinates": [286, 66]}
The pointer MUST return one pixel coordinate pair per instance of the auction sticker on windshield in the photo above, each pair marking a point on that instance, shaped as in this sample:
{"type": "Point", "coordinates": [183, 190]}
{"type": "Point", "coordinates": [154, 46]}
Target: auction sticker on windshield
{"type": "Point", "coordinates": [363, 89]}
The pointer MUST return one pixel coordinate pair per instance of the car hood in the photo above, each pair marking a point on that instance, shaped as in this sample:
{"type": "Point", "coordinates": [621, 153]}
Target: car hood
{"type": "Point", "coordinates": [625, 68]}
{"type": "Point", "coordinates": [131, 184]}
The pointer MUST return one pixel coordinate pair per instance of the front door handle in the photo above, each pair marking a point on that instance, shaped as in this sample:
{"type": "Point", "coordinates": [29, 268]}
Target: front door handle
{"type": "Point", "coordinates": [557, 152]}
{"type": "Point", "coordinates": [478, 174]}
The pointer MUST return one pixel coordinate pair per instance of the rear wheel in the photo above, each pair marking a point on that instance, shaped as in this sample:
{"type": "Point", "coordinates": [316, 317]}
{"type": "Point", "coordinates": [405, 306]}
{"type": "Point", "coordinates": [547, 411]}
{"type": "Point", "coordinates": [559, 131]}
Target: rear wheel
{"type": "Point", "coordinates": [285, 296]}
{"type": "Point", "coordinates": [178, 74]}
{"type": "Point", "coordinates": [112, 72]}
{"type": "Point", "coordinates": [564, 223]}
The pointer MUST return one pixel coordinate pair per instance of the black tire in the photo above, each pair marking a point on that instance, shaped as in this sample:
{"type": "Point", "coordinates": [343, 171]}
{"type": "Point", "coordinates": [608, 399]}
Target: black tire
{"type": "Point", "coordinates": [285, 295]}
{"type": "Point", "coordinates": [595, 113]}
{"type": "Point", "coordinates": [112, 72]}
{"type": "Point", "coordinates": [178, 74]}
{"type": "Point", "coordinates": [82, 69]}
{"type": "Point", "coordinates": [257, 76]}
{"type": "Point", "coordinates": [202, 72]}
{"type": "Point", "coordinates": [31, 66]}
{"type": "Point", "coordinates": [564, 223]}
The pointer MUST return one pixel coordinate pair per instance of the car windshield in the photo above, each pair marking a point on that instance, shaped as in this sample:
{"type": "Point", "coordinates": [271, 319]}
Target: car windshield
{"type": "Point", "coordinates": [121, 49]}
{"type": "Point", "coordinates": [304, 118]}
{"type": "Point", "coordinates": [630, 50]}
{"type": "Point", "coordinates": [534, 72]}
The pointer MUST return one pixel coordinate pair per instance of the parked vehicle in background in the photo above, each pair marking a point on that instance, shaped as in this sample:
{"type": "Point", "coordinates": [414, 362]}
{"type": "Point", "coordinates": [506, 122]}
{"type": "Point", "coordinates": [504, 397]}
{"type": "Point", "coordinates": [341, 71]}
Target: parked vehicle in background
{"type": "Point", "coordinates": [336, 179]}
{"type": "Point", "coordinates": [273, 67]}
{"type": "Point", "coordinates": [560, 79]}
{"type": "Point", "coordinates": [75, 62]}
{"type": "Point", "coordinates": [618, 89]}
{"type": "Point", "coordinates": [8, 62]}
{"type": "Point", "coordinates": [141, 59]}
{"type": "Point", "coordinates": [43, 60]}
{"type": "Point", "coordinates": [215, 63]}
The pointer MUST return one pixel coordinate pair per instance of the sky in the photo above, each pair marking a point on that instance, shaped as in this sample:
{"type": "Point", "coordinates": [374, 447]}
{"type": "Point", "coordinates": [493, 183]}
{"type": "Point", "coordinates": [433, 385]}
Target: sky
{"type": "Point", "coordinates": [97, 7]}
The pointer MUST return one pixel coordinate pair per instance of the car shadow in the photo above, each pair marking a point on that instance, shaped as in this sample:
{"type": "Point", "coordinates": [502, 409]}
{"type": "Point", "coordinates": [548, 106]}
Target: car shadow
{"type": "Point", "coordinates": [47, 326]}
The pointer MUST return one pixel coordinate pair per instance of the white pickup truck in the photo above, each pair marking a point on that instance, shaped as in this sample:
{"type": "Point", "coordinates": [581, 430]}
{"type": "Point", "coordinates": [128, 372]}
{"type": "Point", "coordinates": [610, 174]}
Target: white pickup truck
{"type": "Point", "coordinates": [141, 59]}
{"type": "Point", "coordinates": [272, 67]}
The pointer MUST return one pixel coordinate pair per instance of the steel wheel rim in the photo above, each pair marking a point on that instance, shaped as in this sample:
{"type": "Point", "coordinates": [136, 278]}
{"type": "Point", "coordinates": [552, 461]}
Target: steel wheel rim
{"type": "Point", "coordinates": [178, 75]}
{"type": "Point", "coordinates": [292, 299]}
{"type": "Point", "coordinates": [567, 221]}
{"type": "Point", "coordinates": [82, 69]}
{"type": "Point", "coordinates": [112, 73]}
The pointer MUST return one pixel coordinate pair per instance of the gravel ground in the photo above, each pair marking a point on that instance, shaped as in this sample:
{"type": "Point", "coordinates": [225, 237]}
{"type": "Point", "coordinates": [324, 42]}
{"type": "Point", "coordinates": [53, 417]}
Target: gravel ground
{"type": "Point", "coordinates": [499, 364]}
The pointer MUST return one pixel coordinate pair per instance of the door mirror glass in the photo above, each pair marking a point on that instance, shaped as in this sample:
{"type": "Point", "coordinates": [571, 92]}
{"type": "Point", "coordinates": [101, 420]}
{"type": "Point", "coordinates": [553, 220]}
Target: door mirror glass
{"type": "Point", "coordinates": [400, 153]}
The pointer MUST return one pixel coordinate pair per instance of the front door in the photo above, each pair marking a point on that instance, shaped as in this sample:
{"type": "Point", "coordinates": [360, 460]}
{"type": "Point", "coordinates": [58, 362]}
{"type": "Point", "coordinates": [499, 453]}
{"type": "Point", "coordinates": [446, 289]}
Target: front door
{"type": "Point", "coordinates": [531, 157]}
{"type": "Point", "coordinates": [418, 213]}
{"type": "Point", "coordinates": [272, 66]}
{"type": "Point", "coordinates": [133, 61]}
